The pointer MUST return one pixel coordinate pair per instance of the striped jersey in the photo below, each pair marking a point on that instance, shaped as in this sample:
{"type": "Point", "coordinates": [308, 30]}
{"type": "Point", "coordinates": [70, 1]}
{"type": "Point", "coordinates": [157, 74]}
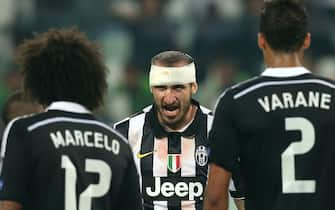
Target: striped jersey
{"type": "Point", "coordinates": [66, 159]}
{"type": "Point", "coordinates": [277, 129]}
{"type": "Point", "coordinates": [172, 165]}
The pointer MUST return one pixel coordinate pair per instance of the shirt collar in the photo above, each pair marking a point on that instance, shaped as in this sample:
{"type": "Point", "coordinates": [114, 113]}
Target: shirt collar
{"type": "Point", "coordinates": [68, 107]}
{"type": "Point", "coordinates": [285, 72]}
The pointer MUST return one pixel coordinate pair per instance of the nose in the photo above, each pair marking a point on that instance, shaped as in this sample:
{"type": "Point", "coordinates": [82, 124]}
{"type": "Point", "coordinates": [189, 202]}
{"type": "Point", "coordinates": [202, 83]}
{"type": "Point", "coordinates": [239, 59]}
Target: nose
{"type": "Point", "coordinates": [169, 96]}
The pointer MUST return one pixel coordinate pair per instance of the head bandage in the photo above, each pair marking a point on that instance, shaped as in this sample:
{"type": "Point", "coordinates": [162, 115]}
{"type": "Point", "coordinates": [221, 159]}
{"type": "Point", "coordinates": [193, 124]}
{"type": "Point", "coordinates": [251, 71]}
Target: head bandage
{"type": "Point", "coordinates": [160, 75]}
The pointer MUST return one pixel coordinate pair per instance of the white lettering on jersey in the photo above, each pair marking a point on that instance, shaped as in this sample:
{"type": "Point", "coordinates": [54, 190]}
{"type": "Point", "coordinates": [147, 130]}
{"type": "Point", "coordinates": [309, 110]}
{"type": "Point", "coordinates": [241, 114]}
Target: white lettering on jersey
{"type": "Point", "coordinates": [84, 138]}
{"type": "Point", "coordinates": [181, 189]}
{"type": "Point", "coordinates": [287, 100]}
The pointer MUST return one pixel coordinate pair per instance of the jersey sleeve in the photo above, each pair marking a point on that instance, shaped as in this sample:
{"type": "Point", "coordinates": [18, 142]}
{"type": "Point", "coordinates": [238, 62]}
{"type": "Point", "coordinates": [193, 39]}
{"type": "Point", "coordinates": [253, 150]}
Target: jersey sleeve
{"type": "Point", "coordinates": [15, 164]}
{"type": "Point", "coordinates": [130, 189]}
{"type": "Point", "coordinates": [224, 150]}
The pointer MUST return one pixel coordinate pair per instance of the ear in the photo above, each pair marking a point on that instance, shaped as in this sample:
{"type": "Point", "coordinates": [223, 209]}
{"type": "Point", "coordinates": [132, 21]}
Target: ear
{"type": "Point", "coordinates": [307, 41]}
{"type": "Point", "coordinates": [261, 41]}
{"type": "Point", "coordinates": [194, 87]}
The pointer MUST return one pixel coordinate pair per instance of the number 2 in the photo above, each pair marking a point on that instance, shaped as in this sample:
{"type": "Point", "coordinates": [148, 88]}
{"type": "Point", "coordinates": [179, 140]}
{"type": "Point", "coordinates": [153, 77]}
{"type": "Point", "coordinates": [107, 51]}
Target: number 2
{"type": "Point", "coordinates": [289, 183]}
{"type": "Point", "coordinates": [93, 190]}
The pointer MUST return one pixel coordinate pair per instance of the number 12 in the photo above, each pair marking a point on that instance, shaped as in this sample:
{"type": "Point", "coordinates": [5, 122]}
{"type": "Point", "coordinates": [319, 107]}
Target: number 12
{"type": "Point", "coordinates": [93, 190]}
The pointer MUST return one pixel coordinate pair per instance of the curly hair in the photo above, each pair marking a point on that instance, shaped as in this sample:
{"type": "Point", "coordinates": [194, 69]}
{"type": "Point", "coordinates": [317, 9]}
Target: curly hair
{"type": "Point", "coordinates": [284, 24]}
{"type": "Point", "coordinates": [63, 65]}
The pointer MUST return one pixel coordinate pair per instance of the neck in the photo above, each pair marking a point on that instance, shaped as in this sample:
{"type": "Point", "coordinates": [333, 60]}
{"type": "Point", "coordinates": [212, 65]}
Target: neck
{"type": "Point", "coordinates": [273, 59]}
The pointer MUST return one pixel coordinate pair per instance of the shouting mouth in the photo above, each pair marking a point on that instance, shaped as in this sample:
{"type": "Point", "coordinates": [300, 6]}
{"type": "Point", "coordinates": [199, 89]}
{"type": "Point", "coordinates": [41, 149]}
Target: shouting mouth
{"type": "Point", "coordinates": [170, 110]}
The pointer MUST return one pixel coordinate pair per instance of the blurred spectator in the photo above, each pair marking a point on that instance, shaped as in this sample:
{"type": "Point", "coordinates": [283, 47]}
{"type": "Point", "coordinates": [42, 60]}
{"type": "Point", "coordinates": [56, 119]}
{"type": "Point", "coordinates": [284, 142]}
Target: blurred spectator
{"type": "Point", "coordinates": [151, 32]}
{"type": "Point", "coordinates": [214, 36]}
{"type": "Point", "coordinates": [130, 95]}
{"type": "Point", "coordinates": [326, 66]}
{"type": "Point", "coordinates": [222, 73]}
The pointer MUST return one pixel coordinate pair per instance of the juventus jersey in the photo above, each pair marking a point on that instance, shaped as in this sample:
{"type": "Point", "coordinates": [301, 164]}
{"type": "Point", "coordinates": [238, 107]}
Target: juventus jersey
{"type": "Point", "coordinates": [172, 165]}
{"type": "Point", "coordinates": [65, 159]}
{"type": "Point", "coordinates": [278, 130]}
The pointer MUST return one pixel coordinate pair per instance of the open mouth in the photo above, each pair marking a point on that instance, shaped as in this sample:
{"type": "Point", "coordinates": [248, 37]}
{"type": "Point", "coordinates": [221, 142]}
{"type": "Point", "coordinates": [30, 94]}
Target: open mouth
{"type": "Point", "coordinates": [170, 110]}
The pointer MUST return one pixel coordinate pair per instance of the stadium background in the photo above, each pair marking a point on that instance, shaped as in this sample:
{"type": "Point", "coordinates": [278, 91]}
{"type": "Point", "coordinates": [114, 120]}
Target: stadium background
{"type": "Point", "coordinates": [219, 34]}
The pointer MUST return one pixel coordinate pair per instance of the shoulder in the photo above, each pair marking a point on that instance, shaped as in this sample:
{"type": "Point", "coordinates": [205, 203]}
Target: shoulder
{"type": "Point", "coordinates": [322, 80]}
{"type": "Point", "coordinates": [205, 110]}
{"type": "Point", "coordinates": [132, 118]}
{"type": "Point", "coordinates": [241, 86]}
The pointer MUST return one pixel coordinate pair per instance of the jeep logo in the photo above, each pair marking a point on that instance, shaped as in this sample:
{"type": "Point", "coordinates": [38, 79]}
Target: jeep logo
{"type": "Point", "coordinates": [181, 189]}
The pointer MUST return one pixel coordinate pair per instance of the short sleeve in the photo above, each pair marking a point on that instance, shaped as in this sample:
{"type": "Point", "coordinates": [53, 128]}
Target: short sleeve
{"type": "Point", "coordinates": [224, 150]}
{"type": "Point", "coordinates": [15, 164]}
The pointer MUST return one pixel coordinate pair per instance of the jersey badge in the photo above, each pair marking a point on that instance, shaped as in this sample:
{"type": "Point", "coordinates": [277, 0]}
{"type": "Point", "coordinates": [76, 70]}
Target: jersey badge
{"type": "Point", "coordinates": [201, 155]}
{"type": "Point", "coordinates": [174, 162]}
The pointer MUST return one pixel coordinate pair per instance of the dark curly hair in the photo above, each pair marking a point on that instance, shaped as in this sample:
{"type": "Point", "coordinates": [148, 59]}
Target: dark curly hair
{"type": "Point", "coordinates": [63, 65]}
{"type": "Point", "coordinates": [284, 24]}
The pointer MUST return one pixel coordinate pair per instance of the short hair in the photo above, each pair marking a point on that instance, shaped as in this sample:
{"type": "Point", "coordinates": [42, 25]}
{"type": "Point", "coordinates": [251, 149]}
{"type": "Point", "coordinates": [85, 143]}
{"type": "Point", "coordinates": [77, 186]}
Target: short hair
{"type": "Point", "coordinates": [18, 104]}
{"type": "Point", "coordinates": [169, 58]}
{"type": "Point", "coordinates": [63, 65]}
{"type": "Point", "coordinates": [284, 24]}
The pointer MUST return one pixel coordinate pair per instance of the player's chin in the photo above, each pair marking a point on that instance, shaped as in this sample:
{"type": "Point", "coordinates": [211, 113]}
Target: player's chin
{"type": "Point", "coordinates": [170, 119]}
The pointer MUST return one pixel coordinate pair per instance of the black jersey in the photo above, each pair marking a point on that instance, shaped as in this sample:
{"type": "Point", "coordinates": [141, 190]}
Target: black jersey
{"type": "Point", "coordinates": [172, 165]}
{"type": "Point", "coordinates": [278, 129]}
{"type": "Point", "coordinates": [66, 159]}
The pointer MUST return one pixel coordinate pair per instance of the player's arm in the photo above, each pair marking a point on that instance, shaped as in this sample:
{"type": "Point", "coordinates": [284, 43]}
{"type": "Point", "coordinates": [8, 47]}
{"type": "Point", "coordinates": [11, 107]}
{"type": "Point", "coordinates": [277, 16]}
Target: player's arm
{"type": "Point", "coordinates": [10, 205]}
{"type": "Point", "coordinates": [216, 197]}
{"type": "Point", "coordinates": [224, 153]}
{"type": "Point", "coordinates": [236, 190]}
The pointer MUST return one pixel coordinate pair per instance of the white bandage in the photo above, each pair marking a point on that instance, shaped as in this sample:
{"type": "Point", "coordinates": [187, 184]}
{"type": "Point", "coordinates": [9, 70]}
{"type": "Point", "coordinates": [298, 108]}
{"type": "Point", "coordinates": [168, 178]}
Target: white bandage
{"type": "Point", "coordinates": [160, 75]}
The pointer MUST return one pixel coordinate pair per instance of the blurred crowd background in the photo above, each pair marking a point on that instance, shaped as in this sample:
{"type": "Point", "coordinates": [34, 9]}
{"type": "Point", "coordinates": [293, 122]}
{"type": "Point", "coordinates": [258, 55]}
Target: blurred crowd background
{"type": "Point", "coordinates": [219, 34]}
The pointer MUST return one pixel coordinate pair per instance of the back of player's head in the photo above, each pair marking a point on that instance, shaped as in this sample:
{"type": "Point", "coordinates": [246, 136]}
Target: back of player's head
{"type": "Point", "coordinates": [284, 24]}
{"type": "Point", "coordinates": [17, 105]}
{"type": "Point", "coordinates": [63, 65]}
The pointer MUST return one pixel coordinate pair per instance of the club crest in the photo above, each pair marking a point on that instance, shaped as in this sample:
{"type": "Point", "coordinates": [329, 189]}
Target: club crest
{"type": "Point", "coordinates": [201, 155]}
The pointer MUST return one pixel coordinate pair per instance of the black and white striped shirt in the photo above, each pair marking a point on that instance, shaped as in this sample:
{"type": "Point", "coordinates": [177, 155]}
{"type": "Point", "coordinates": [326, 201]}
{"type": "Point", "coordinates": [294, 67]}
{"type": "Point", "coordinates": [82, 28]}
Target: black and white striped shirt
{"type": "Point", "coordinates": [172, 165]}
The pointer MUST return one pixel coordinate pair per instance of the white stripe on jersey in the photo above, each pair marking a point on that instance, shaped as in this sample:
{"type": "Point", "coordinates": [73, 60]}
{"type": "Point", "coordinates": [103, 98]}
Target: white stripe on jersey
{"type": "Point", "coordinates": [291, 82]}
{"type": "Point", "coordinates": [4, 141]}
{"type": "Point", "coordinates": [209, 123]}
{"type": "Point", "coordinates": [187, 205]}
{"type": "Point", "coordinates": [74, 120]}
{"type": "Point", "coordinates": [160, 205]}
{"type": "Point", "coordinates": [135, 133]}
{"type": "Point", "coordinates": [205, 110]}
{"type": "Point", "coordinates": [188, 166]}
{"type": "Point", "coordinates": [160, 159]}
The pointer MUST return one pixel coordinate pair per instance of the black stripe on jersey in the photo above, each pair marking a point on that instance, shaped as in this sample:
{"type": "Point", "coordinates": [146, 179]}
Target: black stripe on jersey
{"type": "Point", "coordinates": [147, 146]}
